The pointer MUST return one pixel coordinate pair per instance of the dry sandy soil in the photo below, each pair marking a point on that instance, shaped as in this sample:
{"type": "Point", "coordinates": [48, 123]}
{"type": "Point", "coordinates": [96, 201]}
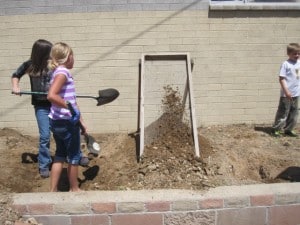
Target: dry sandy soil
{"type": "Point", "coordinates": [230, 155]}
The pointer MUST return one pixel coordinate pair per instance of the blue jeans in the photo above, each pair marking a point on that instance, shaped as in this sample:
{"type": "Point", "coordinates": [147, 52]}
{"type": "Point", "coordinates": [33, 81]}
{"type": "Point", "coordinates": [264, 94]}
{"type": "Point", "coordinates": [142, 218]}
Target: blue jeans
{"type": "Point", "coordinates": [44, 156]}
{"type": "Point", "coordinates": [67, 139]}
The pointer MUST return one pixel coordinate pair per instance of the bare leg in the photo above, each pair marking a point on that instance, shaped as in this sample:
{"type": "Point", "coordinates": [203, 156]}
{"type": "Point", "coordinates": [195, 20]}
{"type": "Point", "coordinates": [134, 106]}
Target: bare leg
{"type": "Point", "coordinates": [72, 175]}
{"type": "Point", "coordinates": [55, 175]}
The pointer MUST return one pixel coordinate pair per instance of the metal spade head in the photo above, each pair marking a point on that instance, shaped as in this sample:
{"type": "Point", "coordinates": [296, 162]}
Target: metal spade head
{"type": "Point", "coordinates": [107, 96]}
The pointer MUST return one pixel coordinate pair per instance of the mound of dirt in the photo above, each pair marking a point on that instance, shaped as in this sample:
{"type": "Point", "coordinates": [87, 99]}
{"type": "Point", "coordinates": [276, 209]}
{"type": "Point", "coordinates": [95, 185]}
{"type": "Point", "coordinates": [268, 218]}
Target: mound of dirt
{"type": "Point", "coordinates": [230, 155]}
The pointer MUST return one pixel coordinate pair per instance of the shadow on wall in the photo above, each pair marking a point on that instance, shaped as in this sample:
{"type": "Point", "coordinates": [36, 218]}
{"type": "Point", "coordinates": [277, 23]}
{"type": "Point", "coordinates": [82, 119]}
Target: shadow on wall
{"type": "Point", "coordinates": [126, 42]}
{"type": "Point", "coordinates": [129, 40]}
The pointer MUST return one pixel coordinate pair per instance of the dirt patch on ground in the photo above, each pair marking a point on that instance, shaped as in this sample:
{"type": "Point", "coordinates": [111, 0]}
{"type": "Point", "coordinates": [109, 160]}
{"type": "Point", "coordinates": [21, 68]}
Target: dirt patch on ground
{"type": "Point", "coordinates": [230, 155]}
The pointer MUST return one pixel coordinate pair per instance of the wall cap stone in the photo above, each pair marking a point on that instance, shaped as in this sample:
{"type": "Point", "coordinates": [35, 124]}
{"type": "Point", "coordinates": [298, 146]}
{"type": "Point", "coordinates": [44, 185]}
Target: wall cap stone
{"type": "Point", "coordinates": [172, 195]}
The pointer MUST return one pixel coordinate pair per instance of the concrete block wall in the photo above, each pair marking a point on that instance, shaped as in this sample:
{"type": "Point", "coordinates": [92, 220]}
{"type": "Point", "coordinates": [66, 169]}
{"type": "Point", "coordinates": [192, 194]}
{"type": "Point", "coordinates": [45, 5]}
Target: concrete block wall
{"type": "Point", "coordinates": [237, 55]}
{"type": "Point", "coordinates": [264, 204]}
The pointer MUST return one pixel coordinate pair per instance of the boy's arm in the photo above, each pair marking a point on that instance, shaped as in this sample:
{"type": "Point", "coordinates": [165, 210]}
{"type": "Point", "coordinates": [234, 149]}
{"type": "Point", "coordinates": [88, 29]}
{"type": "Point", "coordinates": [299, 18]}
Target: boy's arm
{"type": "Point", "coordinates": [284, 87]}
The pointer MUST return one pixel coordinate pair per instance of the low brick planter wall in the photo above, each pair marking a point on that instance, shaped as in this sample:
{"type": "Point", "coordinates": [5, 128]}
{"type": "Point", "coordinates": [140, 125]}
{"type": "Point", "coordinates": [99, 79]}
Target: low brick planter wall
{"type": "Point", "coordinates": [262, 204]}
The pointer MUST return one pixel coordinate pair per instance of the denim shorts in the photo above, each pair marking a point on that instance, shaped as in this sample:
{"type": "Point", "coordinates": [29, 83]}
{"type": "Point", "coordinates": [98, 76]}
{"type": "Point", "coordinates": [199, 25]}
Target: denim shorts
{"type": "Point", "coordinates": [67, 138]}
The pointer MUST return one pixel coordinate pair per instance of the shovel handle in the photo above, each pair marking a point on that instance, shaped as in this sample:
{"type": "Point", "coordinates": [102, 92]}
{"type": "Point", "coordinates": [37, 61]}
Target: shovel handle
{"type": "Point", "coordinates": [89, 139]}
{"type": "Point", "coordinates": [29, 93]}
{"type": "Point", "coordinates": [70, 107]}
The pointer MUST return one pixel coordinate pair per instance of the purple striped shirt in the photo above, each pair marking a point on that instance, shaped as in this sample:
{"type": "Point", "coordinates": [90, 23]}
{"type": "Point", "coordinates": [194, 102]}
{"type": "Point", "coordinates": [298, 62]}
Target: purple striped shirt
{"type": "Point", "coordinates": [67, 93]}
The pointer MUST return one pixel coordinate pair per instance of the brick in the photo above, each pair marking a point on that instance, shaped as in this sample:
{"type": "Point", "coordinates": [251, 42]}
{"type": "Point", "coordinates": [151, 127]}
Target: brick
{"type": "Point", "coordinates": [211, 203]}
{"type": "Point", "coordinates": [184, 205]}
{"type": "Point", "coordinates": [235, 202]}
{"type": "Point", "coordinates": [75, 208]}
{"type": "Point", "coordinates": [285, 199]}
{"type": "Point", "coordinates": [245, 216]}
{"type": "Point", "coordinates": [39, 209]}
{"type": "Point", "coordinates": [262, 200]}
{"type": "Point", "coordinates": [21, 209]}
{"type": "Point", "coordinates": [157, 206]}
{"type": "Point", "coordinates": [137, 219]}
{"type": "Point", "coordinates": [287, 215]}
{"type": "Point", "coordinates": [58, 220]}
{"type": "Point", "coordinates": [129, 32]}
{"type": "Point", "coordinates": [90, 220]}
{"type": "Point", "coordinates": [130, 207]}
{"type": "Point", "coordinates": [104, 207]}
{"type": "Point", "coordinates": [200, 217]}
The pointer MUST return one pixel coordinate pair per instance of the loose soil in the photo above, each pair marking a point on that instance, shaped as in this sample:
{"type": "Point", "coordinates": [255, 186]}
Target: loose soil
{"type": "Point", "coordinates": [229, 155]}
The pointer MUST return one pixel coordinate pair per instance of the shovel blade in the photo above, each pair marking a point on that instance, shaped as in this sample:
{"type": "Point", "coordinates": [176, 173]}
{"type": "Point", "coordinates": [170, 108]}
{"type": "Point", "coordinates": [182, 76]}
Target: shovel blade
{"type": "Point", "coordinates": [92, 145]}
{"type": "Point", "coordinates": [107, 96]}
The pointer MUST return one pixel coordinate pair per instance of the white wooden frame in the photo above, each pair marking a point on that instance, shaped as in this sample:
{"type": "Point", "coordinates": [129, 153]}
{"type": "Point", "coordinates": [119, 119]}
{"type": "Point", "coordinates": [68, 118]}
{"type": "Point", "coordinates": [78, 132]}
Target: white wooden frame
{"type": "Point", "coordinates": [167, 56]}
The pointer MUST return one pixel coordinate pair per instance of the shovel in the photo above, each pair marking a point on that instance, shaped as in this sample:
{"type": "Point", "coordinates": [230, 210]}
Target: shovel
{"type": "Point", "coordinates": [92, 145]}
{"type": "Point", "coordinates": [104, 96]}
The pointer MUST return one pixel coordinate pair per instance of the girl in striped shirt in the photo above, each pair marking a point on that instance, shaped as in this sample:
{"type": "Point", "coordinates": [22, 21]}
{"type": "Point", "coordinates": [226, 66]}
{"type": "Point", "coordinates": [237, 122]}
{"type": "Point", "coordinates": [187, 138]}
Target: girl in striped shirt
{"type": "Point", "coordinates": [64, 124]}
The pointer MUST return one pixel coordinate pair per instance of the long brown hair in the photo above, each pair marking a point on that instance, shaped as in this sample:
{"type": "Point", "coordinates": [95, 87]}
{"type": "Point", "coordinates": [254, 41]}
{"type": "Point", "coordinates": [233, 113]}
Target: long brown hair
{"type": "Point", "coordinates": [39, 57]}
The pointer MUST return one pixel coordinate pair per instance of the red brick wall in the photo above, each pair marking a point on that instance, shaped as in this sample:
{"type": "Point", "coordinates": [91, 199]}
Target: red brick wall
{"type": "Point", "coordinates": [271, 204]}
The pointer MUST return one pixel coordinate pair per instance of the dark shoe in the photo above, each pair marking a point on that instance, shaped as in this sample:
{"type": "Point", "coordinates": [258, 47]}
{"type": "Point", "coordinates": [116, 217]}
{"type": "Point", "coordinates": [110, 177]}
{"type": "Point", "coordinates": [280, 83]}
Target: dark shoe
{"type": "Point", "coordinates": [45, 173]}
{"type": "Point", "coordinates": [84, 161]}
{"type": "Point", "coordinates": [290, 133]}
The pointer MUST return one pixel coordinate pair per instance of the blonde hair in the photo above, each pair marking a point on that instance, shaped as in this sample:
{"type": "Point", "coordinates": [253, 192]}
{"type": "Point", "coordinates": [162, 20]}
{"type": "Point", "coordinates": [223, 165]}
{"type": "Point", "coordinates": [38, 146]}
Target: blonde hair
{"type": "Point", "coordinates": [59, 55]}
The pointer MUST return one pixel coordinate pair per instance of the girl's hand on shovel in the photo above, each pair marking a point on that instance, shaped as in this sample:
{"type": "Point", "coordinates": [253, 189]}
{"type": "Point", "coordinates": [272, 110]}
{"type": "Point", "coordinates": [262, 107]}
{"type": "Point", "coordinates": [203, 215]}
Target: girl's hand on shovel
{"type": "Point", "coordinates": [15, 86]}
{"type": "Point", "coordinates": [75, 117]}
{"type": "Point", "coordinates": [16, 91]}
